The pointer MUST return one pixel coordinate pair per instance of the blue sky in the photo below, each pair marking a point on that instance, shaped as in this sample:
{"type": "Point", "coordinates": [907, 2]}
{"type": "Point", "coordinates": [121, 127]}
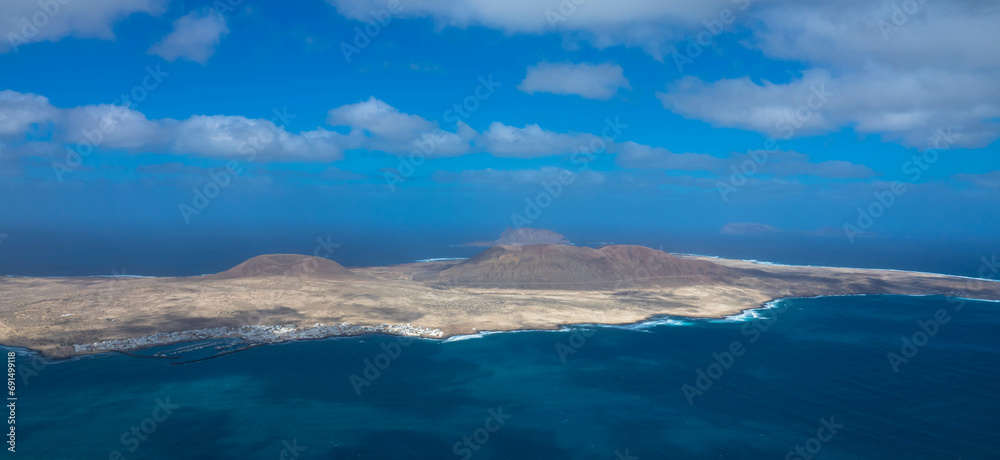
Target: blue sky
{"type": "Point", "coordinates": [604, 116]}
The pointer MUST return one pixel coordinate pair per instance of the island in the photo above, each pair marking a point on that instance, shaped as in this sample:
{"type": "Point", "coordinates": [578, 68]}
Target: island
{"type": "Point", "coordinates": [282, 297]}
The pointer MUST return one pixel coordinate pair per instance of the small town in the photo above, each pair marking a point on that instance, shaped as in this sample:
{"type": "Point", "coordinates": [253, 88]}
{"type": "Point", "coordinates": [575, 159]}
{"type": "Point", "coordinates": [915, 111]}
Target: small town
{"type": "Point", "coordinates": [257, 335]}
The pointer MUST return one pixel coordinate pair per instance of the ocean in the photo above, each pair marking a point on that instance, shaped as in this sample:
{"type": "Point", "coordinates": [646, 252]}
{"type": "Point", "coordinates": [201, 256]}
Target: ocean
{"type": "Point", "coordinates": [871, 377]}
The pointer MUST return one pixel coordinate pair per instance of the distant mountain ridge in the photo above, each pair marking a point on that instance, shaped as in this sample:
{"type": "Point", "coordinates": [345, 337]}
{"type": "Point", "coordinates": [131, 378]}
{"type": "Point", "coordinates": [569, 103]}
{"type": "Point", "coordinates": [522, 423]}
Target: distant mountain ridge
{"type": "Point", "coordinates": [749, 228]}
{"type": "Point", "coordinates": [757, 229]}
{"type": "Point", "coordinates": [523, 236]}
{"type": "Point", "coordinates": [552, 266]}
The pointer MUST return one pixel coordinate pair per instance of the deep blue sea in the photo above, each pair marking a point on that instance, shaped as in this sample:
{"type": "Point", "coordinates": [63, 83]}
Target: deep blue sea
{"type": "Point", "coordinates": [862, 377]}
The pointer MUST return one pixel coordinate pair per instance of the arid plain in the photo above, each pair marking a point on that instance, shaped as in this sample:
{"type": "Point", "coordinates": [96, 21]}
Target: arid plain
{"type": "Point", "coordinates": [503, 288]}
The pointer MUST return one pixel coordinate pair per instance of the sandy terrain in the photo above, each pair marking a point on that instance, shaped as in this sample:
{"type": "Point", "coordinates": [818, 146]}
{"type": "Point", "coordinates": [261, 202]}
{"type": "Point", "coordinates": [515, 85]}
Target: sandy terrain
{"type": "Point", "coordinates": [54, 314]}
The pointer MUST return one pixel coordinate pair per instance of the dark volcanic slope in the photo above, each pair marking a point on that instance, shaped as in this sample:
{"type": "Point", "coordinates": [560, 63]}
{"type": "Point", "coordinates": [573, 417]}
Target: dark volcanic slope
{"type": "Point", "coordinates": [287, 265]}
{"type": "Point", "coordinates": [559, 266]}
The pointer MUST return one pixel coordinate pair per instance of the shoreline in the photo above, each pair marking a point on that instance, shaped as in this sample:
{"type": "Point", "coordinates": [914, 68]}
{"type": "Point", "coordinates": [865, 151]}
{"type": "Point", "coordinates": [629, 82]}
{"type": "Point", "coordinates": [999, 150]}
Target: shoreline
{"type": "Point", "coordinates": [743, 316]}
{"type": "Point", "coordinates": [776, 264]}
{"type": "Point", "coordinates": [65, 317]}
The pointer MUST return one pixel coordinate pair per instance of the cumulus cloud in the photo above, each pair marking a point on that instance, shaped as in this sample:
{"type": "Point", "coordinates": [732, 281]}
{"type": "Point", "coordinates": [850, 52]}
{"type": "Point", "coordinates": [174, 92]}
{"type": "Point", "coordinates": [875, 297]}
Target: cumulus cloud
{"type": "Point", "coordinates": [778, 163]}
{"type": "Point", "coordinates": [642, 23]}
{"type": "Point", "coordinates": [530, 141]}
{"type": "Point", "coordinates": [906, 106]}
{"type": "Point", "coordinates": [111, 126]}
{"type": "Point", "coordinates": [846, 32]}
{"type": "Point", "coordinates": [373, 125]}
{"type": "Point", "coordinates": [900, 70]}
{"type": "Point", "coordinates": [592, 81]}
{"type": "Point", "coordinates": [377, 118]}
{"type": "Point", "coordinates": [238, 137]}
{"type": "Point", "coordinates": [19, 111]}
{"type": "Point", "coordinates": [376, 125]}
{"type": "Point", "coordinates": [194, 38]}
{"type": "Point", "coordinates": [218, 136]}
{"type": "Point", "coordinates": [985, 180]}
{"type": "Point", "coordinates": [633, 155]}
{"type": "Point", "coordinates": [859, 33]}
{"type": "Point", "coordinates": [24, 22]}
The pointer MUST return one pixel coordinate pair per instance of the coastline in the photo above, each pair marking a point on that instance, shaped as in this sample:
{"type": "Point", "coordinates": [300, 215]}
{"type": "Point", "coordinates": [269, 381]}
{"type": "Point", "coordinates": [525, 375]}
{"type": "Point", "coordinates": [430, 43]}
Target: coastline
{"type": "Point", "coordinates": [65, 317]}
{"type": "Point", "coordinates": [777, 264]}
{"type": "Point", "coordinates": [743, 316]}
{"type": "Point", "coordinates": [436, 335]}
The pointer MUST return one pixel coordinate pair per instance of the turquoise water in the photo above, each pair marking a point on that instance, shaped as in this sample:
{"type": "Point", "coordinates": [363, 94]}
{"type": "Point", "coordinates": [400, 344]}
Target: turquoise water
{"type": "Point", "coordinates": [585, 393]}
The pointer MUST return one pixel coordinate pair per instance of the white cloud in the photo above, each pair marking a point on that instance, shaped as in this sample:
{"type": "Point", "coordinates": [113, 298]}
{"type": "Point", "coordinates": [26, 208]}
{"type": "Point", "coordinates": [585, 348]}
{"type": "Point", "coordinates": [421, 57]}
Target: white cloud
{"type": "Point", "coordinates": [374, 125]}
{"type": "Point", "coordinates": [441, 143]}
{"type": "Point", "coordinates": [19, 111]}
{"type": "Point", "coordinates": [858, 33]}
{"type": "Point", "coordinates": [778, 163]}
{"type": "Point", "coordinates": [900, 69]}
{"type": "Point", "coordinates": [111, 126]}
{"type": "Point", "coordinates": [643, 23]}
{"type": "Point", "coordinates": [379, 119]}
{"type": "Point", "coordinates": [530, 141]}
{"type": "Point", "coordinates": [632, 155]}
{"type": "Point", "coordinates": [218, 136]}
{"type": "Point", "coordinates": [906, 106]}
{"type": "Point", "coordinates": [848, 32]}
{"type": "Point", "coordinates": [240, 137]}
{"type": "Point", "coordinates": [984, 180]}
{"type": "Point", "coordinates": [767, 108]}
{"type": "Point", "coordinates": [23, 22]}
{"type": "Point", "coordinates": [194, 37]}
{"type": "Point", "coordinates": [592, 81]}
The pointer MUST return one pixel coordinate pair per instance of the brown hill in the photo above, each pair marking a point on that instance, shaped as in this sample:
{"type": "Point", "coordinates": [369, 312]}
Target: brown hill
{"type": "Point", "coordinates": [559, 266]}
{"type": "Point", "coordinates": [294, 265]}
